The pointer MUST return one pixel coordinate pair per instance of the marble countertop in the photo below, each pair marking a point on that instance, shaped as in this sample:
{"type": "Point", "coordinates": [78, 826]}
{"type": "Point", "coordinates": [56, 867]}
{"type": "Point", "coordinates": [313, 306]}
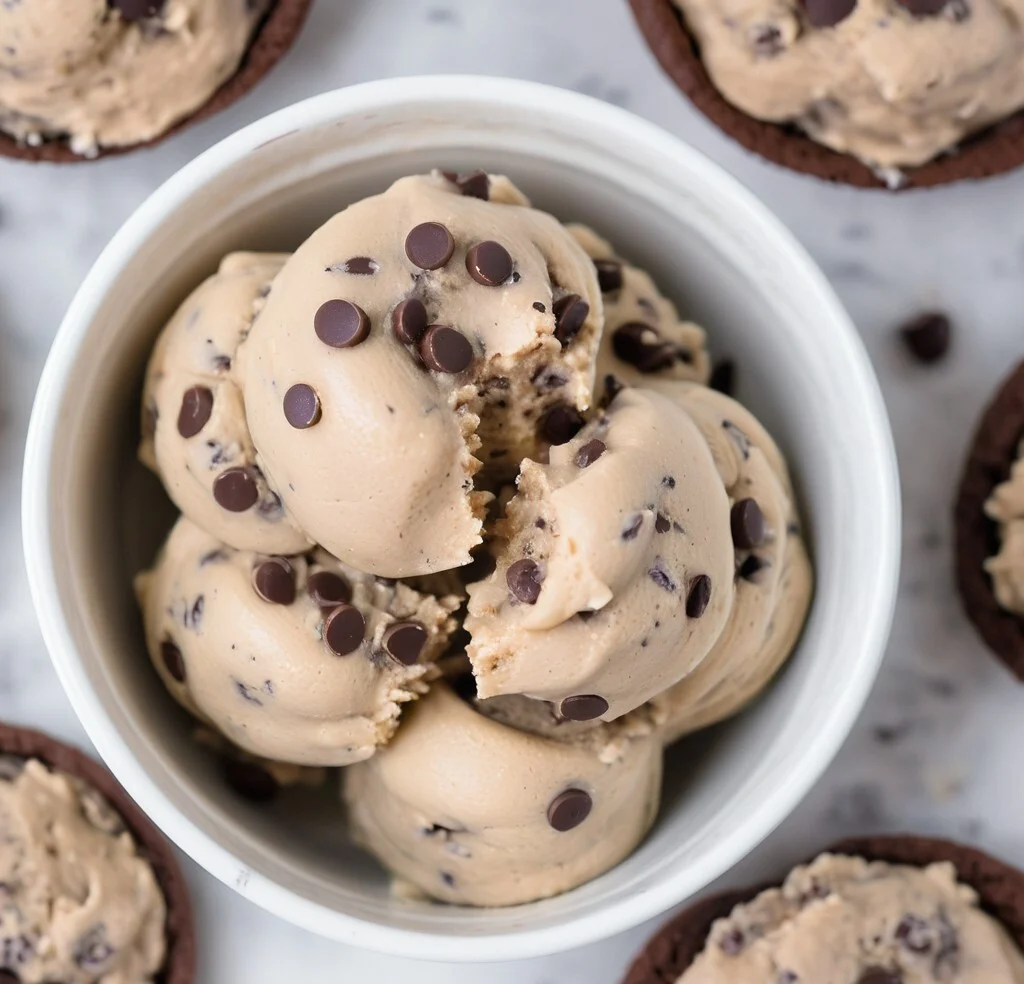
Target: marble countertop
{"type": "Point", "coordinates": [936, 750]}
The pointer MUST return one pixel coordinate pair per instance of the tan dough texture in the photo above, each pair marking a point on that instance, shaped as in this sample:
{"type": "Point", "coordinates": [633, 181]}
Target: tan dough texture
{"type": "Point", "coordinates": [839, 918]}
{"type": "Point", "coordinates": [893, 89]}
{"type": "Point", "coordinates": [1006, 507]}
{"type": "Point", "coordinates": [79, 904]}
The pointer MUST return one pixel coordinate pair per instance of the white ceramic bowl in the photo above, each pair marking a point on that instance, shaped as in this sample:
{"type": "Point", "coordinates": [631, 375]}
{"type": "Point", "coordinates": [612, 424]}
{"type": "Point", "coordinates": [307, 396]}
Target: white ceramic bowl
{"type": "Point", "coordinates": [91, 517]}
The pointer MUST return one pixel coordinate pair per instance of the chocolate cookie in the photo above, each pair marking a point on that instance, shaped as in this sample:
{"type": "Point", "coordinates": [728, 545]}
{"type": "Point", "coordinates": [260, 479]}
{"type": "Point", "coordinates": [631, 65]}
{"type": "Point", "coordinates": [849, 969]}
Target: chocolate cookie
{"type": "Point", "coordinates": [992, 454]}
{"type": "Point", "coordinates": [271, 40]}
{"type": "Point", "coordinates": [1000, 888]}
{"type": "Point", "coordinates": [993, 151]}
{"type": "Point", "coordinates": [179, 967]}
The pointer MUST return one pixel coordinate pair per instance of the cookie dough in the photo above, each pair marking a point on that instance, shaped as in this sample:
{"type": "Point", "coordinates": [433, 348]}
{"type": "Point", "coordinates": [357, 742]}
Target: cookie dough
{"type": "Point", "coordinates": [300, 659]}
{"type": "Point", "coordinates": [844, 920]}
{"type": "Point", "coordinates": [78, 903]}
{"type": "Point", "coordinates": [502, 803]}
{"type": "Point", "coordinates": [1006, 507]}
{"type": "Point", "coordinates": [895, 83]}
{"type": "Point", "coordinates": [422, 341]}
{"type": "Point", "coordinates": [194, 430]}
{"type": "Point", "coordinates": [112, 73]}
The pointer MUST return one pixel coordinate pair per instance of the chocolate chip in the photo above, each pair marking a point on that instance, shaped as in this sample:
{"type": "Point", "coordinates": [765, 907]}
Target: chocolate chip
{"type": "Point", "coordinates": [612, 388]}
{"type": "Point", "coordinates": [328, 590]}
{"type": "Point", "coordinates": [344, 630]}
{"type": "Point", "coordinates": [747, 523]}
{"type": "Point", "coordinates": [173, 660]}
{"type": "Point", "coordinates": [723, 377]}
{"type": "Point", "coordinates": [583, 707]}
{"type": "Point", "coordinates": [662, 524]}
{"type": "Point", "coordinates": [409, 321]}
{"type": "Point", "coordinates": [235, 490]}
{"type": "Point", "coordinates": [429, 246]}
{"type": "Point", "coordinates": [570, 312]}
{"type": "Point", "coordinates": [631, 528]}
{"type": "Point", "coordinates": [301, 406]}
{"type": "Point", "coordinates": [489, 263]}
{"type": "Point", "coordinates": [404, 641]}
{"type": "Point", "coordinates": [524, 579]}
{"type": "Point", "coordinates": [923, 8]}
{"type": "Point", "coordinates": [473, 184]}
{"type": "Point", "coordinates": [560, 424]}
{"type": "Point", "coordinates": [361, 266]}
{"type": "Point", "coordinates": [927, 336]}
{"type": "Point", "coordinates": [766, 40]}
{"type": "Point", "coordinates": [250, 781]}
{"type": "Point", "coordinates": [196, 407]}
{"type": "Point", "coordinates": [828, 13]}
{"type": "Point", "coordinates": [569, 809]}
{"type": "Point", "coordinates": [642, 347]}
{"type": "Point", "coordinates": [445, 349]}
{"type": "Point", "coordinates": [660, 576]}
{"type": "Point", "coordinates": [341, 324]}
{"type": "Point", "coordinates": [609, 275]}
{"type": "Point", "coordinates": [274, 581]}
{"type": "Point", "coordinates": [590, 452]}
{"type": "Point", "coordinates": [879, 975]}
{"type": "Point", "coordinates": [136, 10]}
{"type": "Point", "coordinates": [539, 306]}
{"type": "Point", "coordinates": [732, 943]}
{"type": "Point", "coordinates": [751, 567]}
{"type": "Point", "coordinates": [699, 596]}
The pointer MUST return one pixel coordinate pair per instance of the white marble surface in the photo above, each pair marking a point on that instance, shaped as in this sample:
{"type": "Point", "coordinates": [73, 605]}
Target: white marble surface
{"type": "Point", "coordinates": [938, 748]}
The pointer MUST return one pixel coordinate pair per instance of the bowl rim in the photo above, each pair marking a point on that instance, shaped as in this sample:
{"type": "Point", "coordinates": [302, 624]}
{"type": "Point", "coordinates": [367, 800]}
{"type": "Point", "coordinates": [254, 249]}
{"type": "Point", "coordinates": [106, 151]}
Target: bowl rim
{"type": "Point", "coordinates": [112, 746]}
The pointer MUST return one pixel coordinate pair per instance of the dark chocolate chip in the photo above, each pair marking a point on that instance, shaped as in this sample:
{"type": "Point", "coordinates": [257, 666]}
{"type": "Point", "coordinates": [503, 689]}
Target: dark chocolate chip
{"type": "Point", "coordinates": [445, 349]}
{"type": "Point", "coordinates": [361, 266]}
{"type": "Point", "coordinates": [723, 377]}
{"type": "Point", "coordinates": [539, 306]}
{"type": "Point", "coordinates": [569, 809]}
{"type": "Point", "coordinates": [662, 524]}
{"type": "Point", "coordinates": [747, 522]}
{"type": "Point", "coordinates": [524, 579]}
{"type": "Point", "coordinates": [560, 424]}
{"type": "Point", "coordinates": [489, 263]}
{"type": "Point", "coordinates": [609, 275]}
{"type": "Point", "coordinates": [612, 388]}
{"type": "Point", "coordinates": [250, 781]}
{"type": "Point", "coordinates": [642, 347]}
{"type": "Point", "coordinates": [570, 312]}
{"type": "Point", "coordinates": [590, 452]}
{"type": "Point", "coordinates": [344, 630]}
{"type": "Point", "coordinates": [301, 406]}
{"type": "Point", "coordinates": [409, 321]}
{"type": "Point", "coordinates": [631, 528]}
{"type": "Point", "coordinates": [328, 590]}
{"type": "Point", "coordinates": [750, 568]}
{"type": "Point", "coordinates": [429, 245]}
{"type": "Point", "coordinates": [732, 943]}
{"type": "Point", "coordinates": [196, 407]}
{"type": "Point", "coordinates": [173, 660]}
{"type": "Point", "coordinates": [583, 707]}
{"type": "Point", "coordinates": [828, 13]}
{"type": "Point", "coordinates": [473, 184]}
{"type": "Point", "coordinates": [274, 581]}
{"type": "Point", "coordinates": [341, 324]}
{"type": "Point", "coordinates": [404, 641]}
{"type": "Point", "coordinates": [235, 490]}
{"type": "Point", "coordinates": [660, 576]}
{"type": "Point", "coordinates": [923, 8]}
{"type": "Point", "coordinates": [698, 597]}
{"type": "Point", "coordinates": [136, 10]}
{"type": "Point", "coordinates": [927, 336]}
{"type": "Point", "coordinates": [879, 975]}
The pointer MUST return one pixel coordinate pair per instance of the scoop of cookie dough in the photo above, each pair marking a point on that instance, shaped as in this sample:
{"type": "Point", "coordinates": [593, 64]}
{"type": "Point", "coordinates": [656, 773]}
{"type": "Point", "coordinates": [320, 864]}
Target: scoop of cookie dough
{"type": "Point", "coordinates": [299, 659]}
{"type": "Point", "coordinates": [418, 335]}
{"type": "Point", "coordinates": [644, 338]}
{"type": "Point", "coordinates": [501, 803]}
{"type": "Point", "coordinates": [844, 920]}
{"type": "Point", "coordinates": [194, 431]}
{"type": "Point", "coordinates": [893, 82]}
{"type": "Point", "coordinates": [1006, 508]}
{"type": "Point", "coordinates": [78, 903]}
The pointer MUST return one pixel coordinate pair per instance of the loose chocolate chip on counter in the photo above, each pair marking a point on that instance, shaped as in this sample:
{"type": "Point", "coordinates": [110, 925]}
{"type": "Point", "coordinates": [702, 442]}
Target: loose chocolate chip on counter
{"type": "Point", "coordinates": [732, 943]}
{"type": "Point", "coordinates": [344, 630]}
{"type": "Point", "coordinates": [609, 275]}
{"type": "Point", "coordinates": [560, 424]}
{"type": "Point", "coordinates": [631, 528]}
{"type": "Point", "coordinates": [923, 8]}
{"type": "Point", "coordinates": [751, 567]}
{"type": "Point", "coordinates": [404, 641]}
{"type": "Point", "coordinates": [250, 781]}
{"type": "Point", "coordinates": [570, 312]}
{"type": "Point", "coordinates": [136, 10]}
{"type": "Point", "coordinates": [699, 596]}
{"type": "Point", "coordinates": [723, 377]}
{"type": "Point", "coordinates": [583, 707]}
{"type": "Point", "coordinates": [489, 263]}
{"type": "Point", "coordinates": [662, 524]}
{"type": "Point", "coordinates": [747, 522]}
{"type": "Point", "coordinates": [642, 347]}
{"type": "Point", "coordinates": [274, 581]}
{"type": "Point", "coordinates": [235, 490]}
{"type": "Point", "coordinates": [196, 407]}
{"type": "Point", "coordinates": [409, 321]}
{"type": "Point", "coordinates": [445, 349]}
{"type": "Point", "coordinates": [361, 266]}
{"type": "Point", "coordinates": [173, 660]}
{"type": "Point", "coordinates": [524, 579]}
{"type": "Point", "coordinates": [828, 13]}
{"type": "Point", "coordinates": [328, 590]}
{"type": "Point", "coordinates": [569, 809]}
{"type": "Point", "coordinates": [927, 336]}
{"type": "Point", "coordinates": [880, 975]}
{"type": "Point", "coordinates": [590, 452]}
{"type": "Point", "coordinates": [301, 406]}
{"type": "Point", "coordinates": [429, 245]}
{"type": "Point", "coordinates": [341, 324]}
